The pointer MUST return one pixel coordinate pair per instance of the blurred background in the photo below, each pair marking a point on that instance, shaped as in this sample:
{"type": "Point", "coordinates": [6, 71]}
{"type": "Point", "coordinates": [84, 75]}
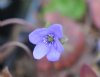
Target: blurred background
{"type": "Point", "coordinates": [81, 24]}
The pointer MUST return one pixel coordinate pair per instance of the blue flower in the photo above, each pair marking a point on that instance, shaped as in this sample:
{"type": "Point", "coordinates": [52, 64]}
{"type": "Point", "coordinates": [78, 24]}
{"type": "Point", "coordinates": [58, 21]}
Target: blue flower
{"type": "Point", "coordinates": [47, 42]}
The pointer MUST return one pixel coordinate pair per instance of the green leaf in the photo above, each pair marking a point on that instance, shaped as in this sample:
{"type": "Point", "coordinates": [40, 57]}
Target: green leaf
{"type": "Point", "coordinates": [72, 8]}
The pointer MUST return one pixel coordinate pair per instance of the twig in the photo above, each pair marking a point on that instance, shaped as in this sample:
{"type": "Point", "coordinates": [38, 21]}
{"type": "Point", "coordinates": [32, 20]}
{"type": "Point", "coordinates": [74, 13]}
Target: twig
{"type": "Point", "coordinates": [3, 55]}
{"type": "Point", "coordinates": [14, 21]}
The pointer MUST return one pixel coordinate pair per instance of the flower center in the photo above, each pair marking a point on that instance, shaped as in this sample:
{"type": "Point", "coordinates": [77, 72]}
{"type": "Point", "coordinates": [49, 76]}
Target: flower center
{"type": "Point", "coordinates": [49, 39]}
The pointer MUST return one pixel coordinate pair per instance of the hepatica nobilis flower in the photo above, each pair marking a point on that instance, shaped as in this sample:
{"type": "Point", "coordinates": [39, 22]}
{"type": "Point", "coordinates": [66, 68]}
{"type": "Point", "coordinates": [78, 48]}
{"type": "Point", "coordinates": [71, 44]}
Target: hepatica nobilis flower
{"type": "Point", "coordinates": [47, 42]}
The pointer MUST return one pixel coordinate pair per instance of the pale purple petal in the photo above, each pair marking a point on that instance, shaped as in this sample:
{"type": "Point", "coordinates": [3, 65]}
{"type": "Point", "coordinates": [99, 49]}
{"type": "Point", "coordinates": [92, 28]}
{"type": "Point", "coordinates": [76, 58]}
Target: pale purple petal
{"type": "Point", "coordinates": [36, 36]}
{"type": "Point", "coordinates": [53, 54]}
{"type": "Point", "coordinates": [40, 51]}
{"type": "Point", "coordinates": [58, 46]}
{"type": "Point", "coordinates": [56, 29]}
